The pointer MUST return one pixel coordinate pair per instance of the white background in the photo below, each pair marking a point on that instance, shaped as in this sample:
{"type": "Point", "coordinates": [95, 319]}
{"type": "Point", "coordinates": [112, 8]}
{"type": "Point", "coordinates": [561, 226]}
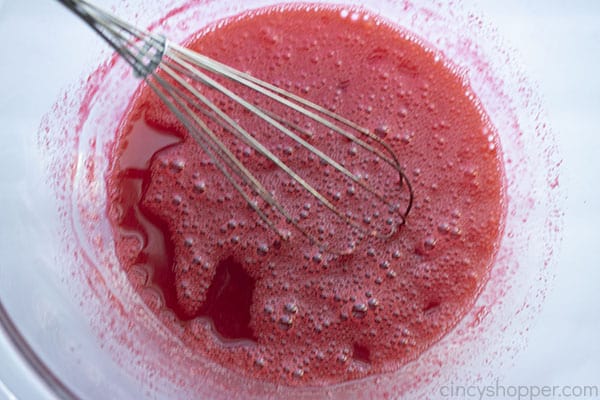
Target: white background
{"type": "Point", "coordinates": [559, 44]}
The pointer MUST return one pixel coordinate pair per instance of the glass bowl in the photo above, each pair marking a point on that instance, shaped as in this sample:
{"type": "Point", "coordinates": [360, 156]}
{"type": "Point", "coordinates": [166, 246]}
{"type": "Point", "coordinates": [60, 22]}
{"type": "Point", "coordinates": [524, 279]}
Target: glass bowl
{"type": "Point", "coordinates": [66, 308]}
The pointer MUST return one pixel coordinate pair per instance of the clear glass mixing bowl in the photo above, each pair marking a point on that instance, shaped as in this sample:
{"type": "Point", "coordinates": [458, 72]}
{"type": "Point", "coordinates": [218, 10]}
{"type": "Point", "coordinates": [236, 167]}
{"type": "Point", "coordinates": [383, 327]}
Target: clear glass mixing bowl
{"type": "Point", "coordinates": [67, 310]}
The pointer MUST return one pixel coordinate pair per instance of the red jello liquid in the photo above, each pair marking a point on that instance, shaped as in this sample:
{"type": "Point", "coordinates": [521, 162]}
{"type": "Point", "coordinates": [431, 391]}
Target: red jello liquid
{"type": "Point", "coordinates": [285, 312]}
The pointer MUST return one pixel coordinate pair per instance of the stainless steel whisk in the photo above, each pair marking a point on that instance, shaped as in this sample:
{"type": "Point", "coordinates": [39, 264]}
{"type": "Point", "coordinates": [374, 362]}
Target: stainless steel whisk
{"type": "Point", "coordinates": [179, 76]}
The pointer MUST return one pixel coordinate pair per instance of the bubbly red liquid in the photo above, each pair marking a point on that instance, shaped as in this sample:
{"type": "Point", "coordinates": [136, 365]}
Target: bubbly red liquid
{"type": "Point", "coordinates": [285, 312]}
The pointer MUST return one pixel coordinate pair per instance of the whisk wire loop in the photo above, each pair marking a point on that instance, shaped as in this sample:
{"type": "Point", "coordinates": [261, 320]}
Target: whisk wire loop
{"type": "Point", "coordinates": [180, 76]}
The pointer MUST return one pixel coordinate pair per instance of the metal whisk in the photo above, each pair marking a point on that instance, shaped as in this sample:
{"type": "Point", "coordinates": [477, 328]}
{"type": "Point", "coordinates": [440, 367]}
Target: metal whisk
{"type": "Point", "coordinates": [182, 78]}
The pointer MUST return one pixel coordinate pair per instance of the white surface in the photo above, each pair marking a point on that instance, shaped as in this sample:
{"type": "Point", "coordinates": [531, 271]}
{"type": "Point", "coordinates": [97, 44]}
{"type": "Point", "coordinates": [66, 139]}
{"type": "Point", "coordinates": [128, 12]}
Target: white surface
{"type": "Point", "coordinates": [559, 42]}
{"type": "Point", "coordinates": [15, 376]}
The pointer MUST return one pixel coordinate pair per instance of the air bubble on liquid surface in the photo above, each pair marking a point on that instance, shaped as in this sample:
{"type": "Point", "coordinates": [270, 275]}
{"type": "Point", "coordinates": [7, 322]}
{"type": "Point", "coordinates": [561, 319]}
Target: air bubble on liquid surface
{"type": "Point", "coordinates": [429, 243]}
{"type": "Point", "coordinates": [286, 321]}
{"type": "Point", "coordinates": [344, 316]}
{"type": "Point", "coordinates": [359, 310]}
{"type": "Point", "coordinates": [262, 249]}
{"type": "Point", "coordinates": [444, 227]}
{"type": "Point", "coordinates": [298, 373]}
{"type": "Point", "coordinates": [177, 165]}
{"type": "Point", "coordinates": [373, 302]}
{"type": "Point", "coordinates": [291, 308]}
{"type": "Point", "coordinates": [319, 355]}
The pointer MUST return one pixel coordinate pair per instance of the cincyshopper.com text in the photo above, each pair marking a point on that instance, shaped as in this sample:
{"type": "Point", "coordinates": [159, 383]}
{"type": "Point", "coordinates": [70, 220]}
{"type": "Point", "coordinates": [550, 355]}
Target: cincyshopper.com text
{"type": "Point", "coordinates": [519, 392]}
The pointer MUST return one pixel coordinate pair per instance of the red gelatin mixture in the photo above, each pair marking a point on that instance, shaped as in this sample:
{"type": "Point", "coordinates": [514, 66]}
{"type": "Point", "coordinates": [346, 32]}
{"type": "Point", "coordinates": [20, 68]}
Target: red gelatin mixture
{"type": "Point", "coordinates": [283, 311]}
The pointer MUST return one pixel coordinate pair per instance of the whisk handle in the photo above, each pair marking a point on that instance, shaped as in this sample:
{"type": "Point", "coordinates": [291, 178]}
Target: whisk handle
{"type": "Point", "coordinates": [141, 49]}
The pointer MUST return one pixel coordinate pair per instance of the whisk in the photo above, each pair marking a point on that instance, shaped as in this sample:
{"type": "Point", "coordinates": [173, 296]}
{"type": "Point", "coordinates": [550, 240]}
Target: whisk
{"type": "Point", "coordinates": [182, 78]}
